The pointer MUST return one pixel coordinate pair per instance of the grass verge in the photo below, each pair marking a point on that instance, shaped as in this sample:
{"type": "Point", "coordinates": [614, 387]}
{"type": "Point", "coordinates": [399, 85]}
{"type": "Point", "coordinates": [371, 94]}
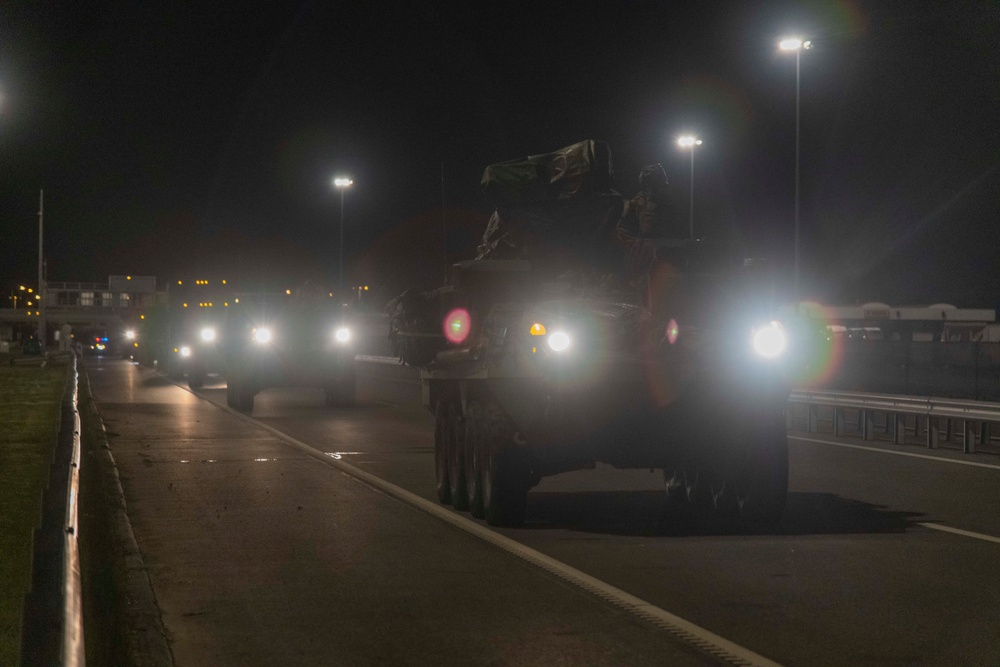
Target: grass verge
{"type": "Point", "coordinates": [30, 399]}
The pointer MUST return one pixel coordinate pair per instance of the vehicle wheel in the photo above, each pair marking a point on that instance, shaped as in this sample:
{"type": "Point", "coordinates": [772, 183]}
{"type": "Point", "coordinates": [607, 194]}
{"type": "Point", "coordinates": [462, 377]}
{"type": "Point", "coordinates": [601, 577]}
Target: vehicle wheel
{"type": "Point", "coordinates": [676, 487]}
{"type": "Point", "coordinates": [196, 380]}
{"type": "Point", "coordinates": [456, 459]}
{"type": "Point", "coordinates": [242, 393]}
{"type": "Point", "coordinates": [699, 490]}
{"type": "Point", "coordinates": [726, 498]}
{"type": "Point", "coordinates": [504, 478]}
{"type": "Point", "coordinates": [442, 436]}
{"type": "Point", "coordinates": [473, 459]}
{"type": "Point", "coordinates": [764, 491]}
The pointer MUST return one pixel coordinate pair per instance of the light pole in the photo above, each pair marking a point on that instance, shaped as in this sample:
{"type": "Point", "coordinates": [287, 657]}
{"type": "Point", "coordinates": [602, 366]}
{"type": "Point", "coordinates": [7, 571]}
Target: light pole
{"type": "Point", "coordinates": [797, 45]}
{"type": "Point", "coordinates": [341, 183]}
{"type": "Point", "coordinates": [690, 142]}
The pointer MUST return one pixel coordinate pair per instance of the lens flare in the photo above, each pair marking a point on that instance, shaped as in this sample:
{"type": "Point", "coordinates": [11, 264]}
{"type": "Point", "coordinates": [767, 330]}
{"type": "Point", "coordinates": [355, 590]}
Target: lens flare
{"type": "Point", "coordinates": [819, 347]}
{"type": "Point", "coordinates": [673, 331]}
{"type": "Point", "coordinates": [457, 325]}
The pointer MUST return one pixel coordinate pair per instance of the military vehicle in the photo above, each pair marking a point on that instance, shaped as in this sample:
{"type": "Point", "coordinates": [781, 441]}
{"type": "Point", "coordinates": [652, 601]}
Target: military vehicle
{"type": "Point", "coordinates": [547, 353]}
{"type": "Point", "coordinates": [280, 340]}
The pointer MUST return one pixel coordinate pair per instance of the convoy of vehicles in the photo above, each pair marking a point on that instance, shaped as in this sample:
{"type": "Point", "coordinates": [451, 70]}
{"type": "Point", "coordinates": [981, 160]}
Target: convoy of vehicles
{"type": "Point", "coordinates": [252, 340]}
{"type": "Point", "coordinates": [534, 366]}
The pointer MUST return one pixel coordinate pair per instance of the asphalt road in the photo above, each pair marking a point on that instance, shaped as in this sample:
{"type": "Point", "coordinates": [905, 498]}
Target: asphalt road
{"type": "Point", "coordinates": [260, 554]}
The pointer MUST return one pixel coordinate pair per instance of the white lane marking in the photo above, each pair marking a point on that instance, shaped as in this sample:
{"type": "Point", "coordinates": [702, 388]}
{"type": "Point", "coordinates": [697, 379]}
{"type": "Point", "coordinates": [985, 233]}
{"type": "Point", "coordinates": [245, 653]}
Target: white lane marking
{"type": "Point", "coordinates": [372, 359]}
{"type": "Point", "coordinates": [707, 641]}
{"type": "Point", "coordinates": [867, 448]}
{"type": "Point", "coordinates": [959, 531]}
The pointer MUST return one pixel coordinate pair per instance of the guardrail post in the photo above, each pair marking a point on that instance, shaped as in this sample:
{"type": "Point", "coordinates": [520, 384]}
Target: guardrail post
{"type": "Point", "coordinates": [968, 438]}
{"type": "Point", "coordinates": [867, 418]}
{"type": "Point", "coordinates": [932, 433]}
{"type": "Point", "coordinates": [813, 417]}
{"type": "Point", "coordinates": [838, 421]}
{"type": "Point", "coordinates": [899, 428]}
{"type": "Point", "coordinates": [984, 433]}
{"type": "Point", "coordinates": [948, 429]}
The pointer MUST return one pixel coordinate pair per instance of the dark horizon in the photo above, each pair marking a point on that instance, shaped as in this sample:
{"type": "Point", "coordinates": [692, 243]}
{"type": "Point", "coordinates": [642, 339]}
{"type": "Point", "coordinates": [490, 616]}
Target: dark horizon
{"type": "Point", "coordinates": [171, 140]}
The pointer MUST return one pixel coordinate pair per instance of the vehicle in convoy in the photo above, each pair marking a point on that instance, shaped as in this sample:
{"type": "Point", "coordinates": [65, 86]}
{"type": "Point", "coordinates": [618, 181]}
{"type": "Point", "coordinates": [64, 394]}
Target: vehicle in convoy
{"type": "Point", "coordinates": [184, 339]}
{"type": "Point", "coordinates": [536, 361]}
{"type": "Point", "coordinates": [303, 339]}
{"type": "Point", "coordinates": [196, 349]}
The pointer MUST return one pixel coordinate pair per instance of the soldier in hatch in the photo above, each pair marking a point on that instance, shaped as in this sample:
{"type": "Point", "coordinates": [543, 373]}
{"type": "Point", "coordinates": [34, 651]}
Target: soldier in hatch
{"type": "Point", "coordinates": [651, 214]}
{"type": "Point", "coordinates": [648, 216]}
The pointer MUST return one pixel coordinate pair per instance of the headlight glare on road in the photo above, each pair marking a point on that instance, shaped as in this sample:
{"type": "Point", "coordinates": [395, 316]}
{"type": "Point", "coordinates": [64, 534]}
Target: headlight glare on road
{"type": "Point", "coordinates": [208, 334]}
{"type": "Point", "coordinates": [342, 335]}
{"type": "Point", "coordinates": [559, 341]}
{"type": "Point", "coordinates": [262, 335]}
{"type": "Point", "coordinates": [769, 340]}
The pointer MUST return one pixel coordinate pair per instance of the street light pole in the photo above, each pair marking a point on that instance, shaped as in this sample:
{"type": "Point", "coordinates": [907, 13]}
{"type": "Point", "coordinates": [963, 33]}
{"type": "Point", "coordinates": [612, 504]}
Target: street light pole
{"type": "Point", "coordinates": [342, 184]}
{"type": "Point", "coordinates": [41, 271]}
{"type": "Point", "coordinates": [690, 142]}
{"type": "Point", "coordinates": [797, 45]}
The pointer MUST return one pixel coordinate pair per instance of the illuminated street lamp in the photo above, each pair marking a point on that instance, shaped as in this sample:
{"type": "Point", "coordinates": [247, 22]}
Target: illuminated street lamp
{"type": "Point", "coordinates": [341, 183]}
{"type": "Point", "coordinates": [797, 45]}
{"type": "Point", "coordinates": [690, 142]}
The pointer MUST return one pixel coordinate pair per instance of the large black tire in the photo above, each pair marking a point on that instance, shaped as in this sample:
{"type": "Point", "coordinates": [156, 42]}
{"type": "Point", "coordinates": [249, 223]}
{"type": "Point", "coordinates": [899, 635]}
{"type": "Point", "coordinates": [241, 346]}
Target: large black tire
{"type": "Point", "coordinates": [196, 380]}
{"type": "Point", "coordinates": [341, 393]}
{"type": "Point", "coordinates": [473, 459]}
{"type": "Point", "coordinates": [456, 459]}
{"type": "Point", "coordinates": [239, 394]}
{"type": "Point", "coordinates": [503, 474]}
{"type": "Point", "coordinates": [764, 489]}
{"type": "Point", "coordinates": [442, 438]}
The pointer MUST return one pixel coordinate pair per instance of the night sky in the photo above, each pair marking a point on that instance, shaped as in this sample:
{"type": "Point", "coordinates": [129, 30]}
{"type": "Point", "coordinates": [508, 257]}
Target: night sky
{"type": "Point", "coordinates": [199, 139]}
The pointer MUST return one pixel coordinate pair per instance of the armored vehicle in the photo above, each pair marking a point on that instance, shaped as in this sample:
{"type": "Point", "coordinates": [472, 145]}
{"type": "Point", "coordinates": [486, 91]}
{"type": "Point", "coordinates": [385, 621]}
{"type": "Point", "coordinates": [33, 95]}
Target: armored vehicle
{"type": "Point", "coordinates": [550, 352]}
{"type": "Point", "coordinates": [282, 340]}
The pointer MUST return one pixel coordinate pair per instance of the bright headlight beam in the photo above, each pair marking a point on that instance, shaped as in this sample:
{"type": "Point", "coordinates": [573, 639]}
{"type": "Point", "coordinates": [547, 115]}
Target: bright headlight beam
{"type": "Point", "coordinates": [262, 335]}
{"type": "Point", "coordinates": [342, 335]}
{"type": "Point", "coordinates": [769, 341]}
{"type": "Point", "coordinates": [559, 341]}
{"type": "Point", "coordinates": [208, 334]}
{"type": "Point", "coordinates": [185, 351]}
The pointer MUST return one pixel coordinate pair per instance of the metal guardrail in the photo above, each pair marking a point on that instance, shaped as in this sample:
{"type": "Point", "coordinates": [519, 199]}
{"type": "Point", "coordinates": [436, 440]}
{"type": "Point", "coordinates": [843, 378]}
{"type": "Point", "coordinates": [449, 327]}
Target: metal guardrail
{"type": "Point", "coordinates": [72, 636]}
{"type": "Point", "coordinates": [52, 629]}
{"type": "Point", "coordinates": [928, 413]}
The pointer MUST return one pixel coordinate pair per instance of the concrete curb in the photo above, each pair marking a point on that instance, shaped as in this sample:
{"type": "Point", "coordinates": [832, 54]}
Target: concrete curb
{"type": "Point", "coordinates": [145, 638]}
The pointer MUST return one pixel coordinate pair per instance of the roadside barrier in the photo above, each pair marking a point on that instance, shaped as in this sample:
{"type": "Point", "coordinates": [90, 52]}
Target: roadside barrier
{"type": "Point", "coordinates": [52, 629]}
{"type": "Point", "coordinates": [936, 417]}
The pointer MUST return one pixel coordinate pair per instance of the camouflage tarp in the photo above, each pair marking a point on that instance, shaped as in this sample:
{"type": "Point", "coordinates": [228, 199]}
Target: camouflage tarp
{"type": "Point", "coordinates": [556, 205]}
{"type": "Point", "coordinates": [581, 168]}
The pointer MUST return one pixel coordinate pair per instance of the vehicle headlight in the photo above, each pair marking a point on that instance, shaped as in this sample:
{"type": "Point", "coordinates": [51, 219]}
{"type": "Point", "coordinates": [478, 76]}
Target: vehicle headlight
{"type": "Point", "coordinates": [342, 335]}
{"type": "Point", "coordinates": [185, 351]}
{"type": "Point", "coordinates": [208, 334]}
{"type": "Point", "coordinates": [770, 340]}
{"type": "Point", "coordinates": [130, 334]}
{"type": "Point", "coordinates": [262, 335]}
{"type": "Point", "coordinates": [559, 341]}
